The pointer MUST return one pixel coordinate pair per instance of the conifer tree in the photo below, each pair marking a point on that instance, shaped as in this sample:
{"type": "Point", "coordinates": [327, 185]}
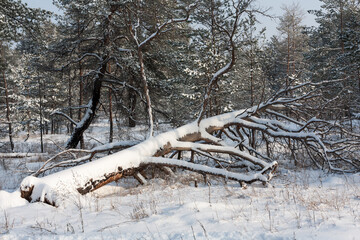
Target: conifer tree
{"type": "Point", "coordinates": [335, 54]}
{"type": "Point", "coordinates": [15, 20]}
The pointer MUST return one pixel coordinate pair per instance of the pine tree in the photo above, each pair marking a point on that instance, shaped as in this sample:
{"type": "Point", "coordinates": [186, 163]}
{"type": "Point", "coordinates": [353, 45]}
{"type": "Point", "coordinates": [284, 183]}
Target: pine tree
{"type": "Point", "coordinates": [15, 20]}
{"type": "Point", "coordinates": [335, 54]}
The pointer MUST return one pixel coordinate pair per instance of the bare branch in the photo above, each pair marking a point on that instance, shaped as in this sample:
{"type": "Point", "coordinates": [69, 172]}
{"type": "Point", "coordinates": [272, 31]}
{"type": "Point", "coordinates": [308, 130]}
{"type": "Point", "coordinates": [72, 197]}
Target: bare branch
{"type": "Point", "coordinates": [56, 112]}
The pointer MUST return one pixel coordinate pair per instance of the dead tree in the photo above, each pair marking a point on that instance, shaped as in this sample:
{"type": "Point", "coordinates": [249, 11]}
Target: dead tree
{"type": "Point", "coordinates": [191, 137]}
{"type": "Point", "coordinates": [223, 140]}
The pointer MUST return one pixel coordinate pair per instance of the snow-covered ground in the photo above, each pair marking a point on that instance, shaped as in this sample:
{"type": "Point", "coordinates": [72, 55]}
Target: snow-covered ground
{"type": "Point", "coordinates": [302, 204]}
{"type": "Point", "coordinates": [299, 205]}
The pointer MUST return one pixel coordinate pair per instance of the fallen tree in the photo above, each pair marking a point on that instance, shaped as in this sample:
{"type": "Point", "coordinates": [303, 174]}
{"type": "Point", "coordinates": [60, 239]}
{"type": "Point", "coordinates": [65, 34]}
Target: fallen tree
{"type": "Point", "coordinates": [232, 143]}
{"type": "Point", "coordinates": [237, 145]}
{"type": "Point", "coordinates": [191, 137]}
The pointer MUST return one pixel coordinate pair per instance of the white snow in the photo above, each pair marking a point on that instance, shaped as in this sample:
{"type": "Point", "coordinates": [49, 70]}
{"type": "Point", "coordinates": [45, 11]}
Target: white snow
{"type": "Point", "coordinates": [132, 157]}
{"type": "Point", "coordinates": [204, 168]}
{"type": "Point", "coordinates": [11, 200]}
{"type": "Point", "coordinates": [303, 204]}
{"type": "Point", "coordinates": [299, 205]}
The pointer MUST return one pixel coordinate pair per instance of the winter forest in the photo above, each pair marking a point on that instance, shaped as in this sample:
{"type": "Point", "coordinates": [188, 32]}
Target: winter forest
{"type": "Point", "coordinates": [133, 119]}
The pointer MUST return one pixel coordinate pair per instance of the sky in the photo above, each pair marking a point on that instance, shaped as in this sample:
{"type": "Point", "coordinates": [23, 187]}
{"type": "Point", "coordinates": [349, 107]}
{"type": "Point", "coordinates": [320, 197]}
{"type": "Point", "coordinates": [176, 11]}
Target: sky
{"type": "Point", "coordinates": [45, 4]}
{"type": "Point", "coordinates": [269, 23]}
{"type": "Point", "coordinates": [275, 5]}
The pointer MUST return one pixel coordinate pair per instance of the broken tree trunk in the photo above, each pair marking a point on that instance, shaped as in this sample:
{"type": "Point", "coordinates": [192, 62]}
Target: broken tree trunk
{"type": "Point", "coordinates": [224, 144]}
{"type": "Point", "coordinates": [92, 175]}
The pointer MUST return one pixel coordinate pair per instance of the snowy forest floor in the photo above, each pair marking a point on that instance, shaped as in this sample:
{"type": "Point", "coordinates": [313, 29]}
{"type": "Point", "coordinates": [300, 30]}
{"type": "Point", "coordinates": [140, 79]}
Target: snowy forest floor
{"type": "Point", "coordinates": [299, 204]}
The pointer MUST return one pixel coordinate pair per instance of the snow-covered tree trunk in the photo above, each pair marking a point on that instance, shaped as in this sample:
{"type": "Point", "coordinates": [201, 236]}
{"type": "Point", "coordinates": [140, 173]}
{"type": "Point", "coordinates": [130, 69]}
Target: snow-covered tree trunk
{"type": "Point", "coordinates": [191, 137]}
{"type": "Point", "coordinates": [146, 93]}
{"type": "Point", "coordinates": [223, 140]}
{"type": "Point", "coordinates": [85, 122]}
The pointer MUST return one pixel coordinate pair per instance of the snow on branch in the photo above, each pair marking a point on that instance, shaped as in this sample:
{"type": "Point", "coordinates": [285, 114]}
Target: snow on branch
{"type": "Point", "coordinates": [57, 112]}
{"type": "Point", "coordinates": [240, 8]}
{"type": "Point", "coordinates": [246, 178]}
{"type": "Point", "coordinates": [107, 168]}
{"type": "Point", "coordinates": [51, 163]}
{"type": "Point", "coordinates": [161, 27]}
{"type": "Point", "coordinates": [238, 145]}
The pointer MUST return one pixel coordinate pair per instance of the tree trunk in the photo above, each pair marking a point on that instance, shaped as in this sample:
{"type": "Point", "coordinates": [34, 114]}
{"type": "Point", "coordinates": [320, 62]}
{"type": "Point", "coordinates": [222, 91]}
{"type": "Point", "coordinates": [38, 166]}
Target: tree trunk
{"type": "Point", "coordinates": [70, 104]}
{"type": "Point", "coordinates": [8, 111]}
{"type": "Point", "coordinates": [293, 47]}
{"type": "Point", "coordinates": [358, 76]}
{"type": "Point", "coordinates": [342, 27]}
{"type": "Point", "coordinates": [81, 100]}
{"type": "Point", "coordinates": [111, 128]}
{"type": "Point", "coordinates": [146, 93]}
{"type": "Point", "coordinates": [95, 174]}
{"type": "Point", "coordinates": [132, 105]}
{"type": "Point", "coordinates": [251, 79]}
{"type": "Point", "coordinates": [41, 117]}
{"type": "Point", "coordinates": [85, 122]}
{"type": "Point", "coordinates": [288, 59]}
{"type": "Point", "coordinates": [7, 100]}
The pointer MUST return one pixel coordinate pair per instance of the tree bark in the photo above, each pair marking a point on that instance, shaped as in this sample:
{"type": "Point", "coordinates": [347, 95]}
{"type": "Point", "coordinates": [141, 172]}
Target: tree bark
{"type": "Point", "coordinates": [146, 92]}
{"type": "Point", "coordinates": [132, 105]}
{"type": "Point", "coordinates": [81, 100]}
{"type": "Point", "coordinates": [41, 117]}
{"type": "Point", "coordinates": [70, 128]}
{"type": "Point", "coordinates": [288, 59]}
{"type": "Point", "coordinates": [8, 112]}
{"type": "Point", "coordinates": [7, 101]}
{"type": "Point", "coordinates": [85, 122]}
{"type": "Point", "coordinates": [81, 87]}
{"type": "Point", "coordinates": [111, 127]}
